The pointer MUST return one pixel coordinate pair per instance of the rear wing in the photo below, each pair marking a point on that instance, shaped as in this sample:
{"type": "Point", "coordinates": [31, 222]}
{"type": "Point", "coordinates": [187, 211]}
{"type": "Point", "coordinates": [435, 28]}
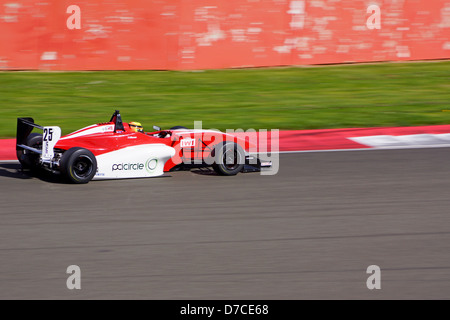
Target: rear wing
{"type": "Point", "coordinates": [24, 128]}
{"type": "Point", "coordinates": [50, 137]}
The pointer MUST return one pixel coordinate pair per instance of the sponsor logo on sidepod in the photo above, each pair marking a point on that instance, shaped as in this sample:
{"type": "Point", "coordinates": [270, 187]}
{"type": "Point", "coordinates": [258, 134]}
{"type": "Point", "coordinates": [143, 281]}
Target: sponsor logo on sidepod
{"type": "Point", "coordinates": [151, 164]}
{"type": "Point", "coordinates": [128, 166]}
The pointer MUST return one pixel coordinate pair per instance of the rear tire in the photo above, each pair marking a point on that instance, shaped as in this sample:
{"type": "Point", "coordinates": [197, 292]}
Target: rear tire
{"type": "Point", "coordinates": [229, 159]}
{"type": "Point", "coordinates": [28, 159]}
{"type": "Point", "coordinates": [78, 165]}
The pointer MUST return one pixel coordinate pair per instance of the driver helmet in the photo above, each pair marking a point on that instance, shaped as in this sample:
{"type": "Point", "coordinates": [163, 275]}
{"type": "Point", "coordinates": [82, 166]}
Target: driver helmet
{"type": "Point", "coordinates": [136, 126]}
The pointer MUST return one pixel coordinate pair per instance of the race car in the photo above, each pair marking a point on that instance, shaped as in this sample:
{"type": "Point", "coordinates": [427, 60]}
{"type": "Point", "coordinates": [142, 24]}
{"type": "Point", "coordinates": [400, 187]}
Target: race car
{"type": "Point", "coordinates": [116, 150]}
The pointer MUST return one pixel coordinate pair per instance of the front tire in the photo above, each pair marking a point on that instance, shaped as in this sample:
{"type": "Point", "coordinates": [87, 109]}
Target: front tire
{"type": "Point", "coordinates": [229, 159]}
{"type": "Point", "coordinates": [78, 165]}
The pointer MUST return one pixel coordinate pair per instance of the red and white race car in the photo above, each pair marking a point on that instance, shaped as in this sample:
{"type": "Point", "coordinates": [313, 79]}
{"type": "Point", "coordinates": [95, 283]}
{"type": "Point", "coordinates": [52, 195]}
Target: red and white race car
{"type": "Point", "coordinates": [113, 150]}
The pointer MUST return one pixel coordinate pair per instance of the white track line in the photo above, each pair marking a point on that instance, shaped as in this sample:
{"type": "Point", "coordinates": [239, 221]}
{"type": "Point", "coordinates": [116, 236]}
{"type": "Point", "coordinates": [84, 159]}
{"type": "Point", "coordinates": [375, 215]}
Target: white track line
{"type": "Point", "coordinates": [370, 149]}
{"type": "Point", "coordinates": [363, 149]}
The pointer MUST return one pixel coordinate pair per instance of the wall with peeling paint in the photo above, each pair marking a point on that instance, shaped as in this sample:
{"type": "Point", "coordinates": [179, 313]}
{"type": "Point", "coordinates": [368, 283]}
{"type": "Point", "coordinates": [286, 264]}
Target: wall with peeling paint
{"type": "Point", "coordinates": [199, 34]}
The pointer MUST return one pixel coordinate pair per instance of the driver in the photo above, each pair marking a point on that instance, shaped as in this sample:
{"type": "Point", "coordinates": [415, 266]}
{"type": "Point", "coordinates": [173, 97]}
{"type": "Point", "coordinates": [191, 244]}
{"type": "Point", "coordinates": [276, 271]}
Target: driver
{"type": "Point", "coordinates": [136, 126]}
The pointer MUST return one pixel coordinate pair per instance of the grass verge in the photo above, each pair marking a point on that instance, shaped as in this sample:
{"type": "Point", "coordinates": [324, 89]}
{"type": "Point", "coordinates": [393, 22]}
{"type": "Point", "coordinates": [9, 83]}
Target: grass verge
{"type": "Point", "coordinates": [369, 95]}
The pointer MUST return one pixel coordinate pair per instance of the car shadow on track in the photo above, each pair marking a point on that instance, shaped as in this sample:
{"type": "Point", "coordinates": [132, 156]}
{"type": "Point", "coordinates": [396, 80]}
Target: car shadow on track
{"type": "Point", "coordinates": [204, 171]}
{"type": "Point", "coordinates": [14, 170]}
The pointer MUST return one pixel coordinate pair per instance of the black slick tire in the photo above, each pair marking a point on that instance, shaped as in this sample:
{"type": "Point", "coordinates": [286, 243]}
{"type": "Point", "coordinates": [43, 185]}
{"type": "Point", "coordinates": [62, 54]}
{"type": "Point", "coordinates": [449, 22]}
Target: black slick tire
{"type": "Point", "coordinates": [78, 165]}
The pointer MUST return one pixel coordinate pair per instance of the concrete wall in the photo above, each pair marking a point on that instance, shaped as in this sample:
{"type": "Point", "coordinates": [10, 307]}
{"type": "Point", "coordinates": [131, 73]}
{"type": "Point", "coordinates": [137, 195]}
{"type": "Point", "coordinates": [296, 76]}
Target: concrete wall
{"type": "Point", "coordinates": [199, 34]}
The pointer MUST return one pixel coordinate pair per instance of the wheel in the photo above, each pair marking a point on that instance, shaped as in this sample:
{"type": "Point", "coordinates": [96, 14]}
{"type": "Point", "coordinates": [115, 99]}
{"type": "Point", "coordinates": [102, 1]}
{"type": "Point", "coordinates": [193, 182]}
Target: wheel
{"type": "Point", "coordinates": [177, 127]}
{"type": "Point", "coordinates": [78, 165]}
{"type": "Point", "coordinates": [229, 159]}
{"type": "Point", "coordinates": [30, 160]}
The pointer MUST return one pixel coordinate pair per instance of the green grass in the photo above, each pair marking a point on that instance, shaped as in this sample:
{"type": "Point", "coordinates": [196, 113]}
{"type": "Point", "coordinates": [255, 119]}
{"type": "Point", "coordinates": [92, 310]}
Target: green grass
{"type": "Point", "coordinates": [387, 94]}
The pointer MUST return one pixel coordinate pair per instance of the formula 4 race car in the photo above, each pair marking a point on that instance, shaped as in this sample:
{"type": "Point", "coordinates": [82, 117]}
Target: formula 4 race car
{"type": "Point", "coordinates": [112, 150]}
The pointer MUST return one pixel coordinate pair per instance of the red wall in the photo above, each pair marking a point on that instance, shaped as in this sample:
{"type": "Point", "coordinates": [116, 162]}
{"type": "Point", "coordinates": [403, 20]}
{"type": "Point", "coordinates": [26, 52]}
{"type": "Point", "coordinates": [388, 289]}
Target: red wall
{"type": "Point", "coordinates": [198, 34]}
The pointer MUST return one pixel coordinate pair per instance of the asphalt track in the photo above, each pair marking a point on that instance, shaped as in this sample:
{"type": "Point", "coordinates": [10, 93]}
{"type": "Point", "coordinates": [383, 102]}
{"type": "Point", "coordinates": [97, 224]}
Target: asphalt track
{"type": "Point", "coordinates": [309, 232]}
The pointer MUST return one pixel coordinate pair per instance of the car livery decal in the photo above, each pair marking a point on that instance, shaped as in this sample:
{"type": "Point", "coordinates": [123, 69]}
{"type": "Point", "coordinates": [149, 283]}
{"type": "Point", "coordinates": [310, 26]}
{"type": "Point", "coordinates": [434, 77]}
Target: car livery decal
{"type": "Point", "coordinates": [187, 143]}
{"type": "Point", "coordinates": [127, 166]}
{"type": "Point", "coordinates": [134, 162]}
{"type": "Point", "coordinates": [151, 164]}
